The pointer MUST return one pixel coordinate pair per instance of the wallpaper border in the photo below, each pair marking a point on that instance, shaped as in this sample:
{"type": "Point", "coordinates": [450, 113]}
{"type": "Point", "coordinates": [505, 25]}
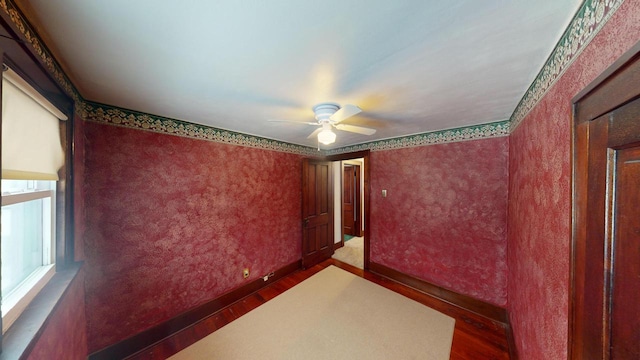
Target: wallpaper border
{"type": "Point", "coordinates": [40, 48]}
{"type": "Point", "coordinates": [113, 115]}
{"type": "Point", "coordinates": [106, 114]}
{"type": "Point", "coordinates": [587, 22]}
{"type": "Point", "coordinates": [473, 132]}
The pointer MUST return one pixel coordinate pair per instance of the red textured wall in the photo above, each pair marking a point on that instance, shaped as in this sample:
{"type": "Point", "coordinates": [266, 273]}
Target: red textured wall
{"type": "Point", "coordinates": [444, 219]}
{"type": "Point", "coordinates": [64, 336]}
{"type": "Point", "coordinates": [540, 197]}
{"type": "Point", "coordinates": [171, 223]}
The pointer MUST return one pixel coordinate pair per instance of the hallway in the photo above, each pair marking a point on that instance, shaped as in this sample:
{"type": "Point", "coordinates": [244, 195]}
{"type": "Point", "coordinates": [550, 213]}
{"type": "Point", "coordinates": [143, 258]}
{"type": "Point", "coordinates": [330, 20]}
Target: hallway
{"type": "Point", "coordinates": [352, 252]}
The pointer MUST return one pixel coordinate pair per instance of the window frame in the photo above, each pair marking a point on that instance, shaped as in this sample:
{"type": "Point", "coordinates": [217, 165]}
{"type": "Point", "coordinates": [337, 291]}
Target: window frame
{"type": "Point", "coordinates": [21, 197]}
{"type": "Point", "coordinates": [18, 53]}
{"type": "Point", "coordinates": [19, 298]}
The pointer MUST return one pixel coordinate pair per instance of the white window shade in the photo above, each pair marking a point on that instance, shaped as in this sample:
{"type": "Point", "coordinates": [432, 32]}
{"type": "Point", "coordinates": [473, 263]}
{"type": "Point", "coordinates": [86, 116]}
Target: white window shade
{"type": "Point", "coordinates": [31, 147]}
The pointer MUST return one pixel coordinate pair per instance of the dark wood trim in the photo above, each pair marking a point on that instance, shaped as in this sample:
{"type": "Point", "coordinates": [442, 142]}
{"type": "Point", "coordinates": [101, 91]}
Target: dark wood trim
{"type": "Point", "coordinates": [610, 92]}
{"type": "Point", "coordinates": [69, 215]}
{"type": "Point", "coordinates": [349, 156]}
{"type": "Point", "coordinates": [21, 57]}
{"type": "Point", "coordinates": [511, 341]}
{"type": "Point", "coordinates": [615, 67]}
{"type": "Point", "coordinates": [490, 311]}
{"type": "Point", "coordinates": [161, 331]}
{"type": "Point", "coordinates": [580, 133]}
{"type": "Point", "coordinates": [474, 336]}
{"type": "Point", "coordinates": [365, 154]}
{"type": "Point", "coordinates": [338, 245]}
{"type": "Point", "coordinates": [367, 211]}
{"type": "Point", "coordinates": [590, 271]}
{"type": "Point", "coordinates": [341, 195]}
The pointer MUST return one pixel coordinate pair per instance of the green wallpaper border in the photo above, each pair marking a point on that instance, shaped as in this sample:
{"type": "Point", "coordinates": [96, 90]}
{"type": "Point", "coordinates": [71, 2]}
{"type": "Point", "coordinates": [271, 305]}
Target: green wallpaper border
{"type": "Point", "coordinates": [474, 132]}
{"type": "Point", "coordinates": [587, 22]}
{"type": "Point", "coordinates": [589, 19]}
{"type": "Point", "coordinates": [41, 49]}
{"type": "Point", "coordinates": [112, 115]}
{"type": "Point", "coordinates": [106, 114]}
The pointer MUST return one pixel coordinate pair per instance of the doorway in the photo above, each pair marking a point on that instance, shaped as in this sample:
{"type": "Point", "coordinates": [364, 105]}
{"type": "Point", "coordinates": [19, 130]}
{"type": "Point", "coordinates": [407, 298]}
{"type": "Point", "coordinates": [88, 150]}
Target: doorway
{"type": "Point", "coordinates": [351, 191]}
{"type": "Point", "coordinates": [349, 242]}
{"type": "Point", "coordinates": [351, 198]}
{"type": "Point", "coordinates": [605, 276]}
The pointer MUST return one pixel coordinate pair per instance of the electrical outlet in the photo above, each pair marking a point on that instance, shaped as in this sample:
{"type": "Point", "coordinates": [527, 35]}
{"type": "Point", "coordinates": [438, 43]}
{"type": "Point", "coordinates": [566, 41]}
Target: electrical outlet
{"type": "Point", "coordinates": [245, 273]}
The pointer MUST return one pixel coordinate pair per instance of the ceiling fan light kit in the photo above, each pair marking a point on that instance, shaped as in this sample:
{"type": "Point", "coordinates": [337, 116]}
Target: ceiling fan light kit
{"type": "Point", "coordinates": [326, 136]}
{"type": "Point", "coordinates": [328, 116]}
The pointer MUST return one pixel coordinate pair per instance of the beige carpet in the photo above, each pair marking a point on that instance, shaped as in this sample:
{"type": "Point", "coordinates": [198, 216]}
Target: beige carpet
{"type": "Point", "coordinates": [352, 252]}
{"type": "Point", "coordinates": [332, 315]}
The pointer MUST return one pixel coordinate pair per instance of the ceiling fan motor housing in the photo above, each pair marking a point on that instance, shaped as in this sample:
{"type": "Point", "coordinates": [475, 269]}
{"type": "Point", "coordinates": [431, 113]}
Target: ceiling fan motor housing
{"type": "Point", "coordinates": [324, 110]}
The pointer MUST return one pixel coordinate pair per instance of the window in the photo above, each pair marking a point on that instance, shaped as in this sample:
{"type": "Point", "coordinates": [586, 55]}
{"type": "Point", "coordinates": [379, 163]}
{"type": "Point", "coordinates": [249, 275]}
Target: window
{"type": "Point", "coordinates": [31, 157]}
{"type": "Point", "coordinates": [28, 228]}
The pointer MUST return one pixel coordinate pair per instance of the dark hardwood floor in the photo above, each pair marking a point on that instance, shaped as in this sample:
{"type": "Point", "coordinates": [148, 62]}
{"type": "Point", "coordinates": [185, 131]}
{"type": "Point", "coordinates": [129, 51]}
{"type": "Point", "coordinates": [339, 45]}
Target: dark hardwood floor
{"type": "Point", "coordinates": [474, 337]}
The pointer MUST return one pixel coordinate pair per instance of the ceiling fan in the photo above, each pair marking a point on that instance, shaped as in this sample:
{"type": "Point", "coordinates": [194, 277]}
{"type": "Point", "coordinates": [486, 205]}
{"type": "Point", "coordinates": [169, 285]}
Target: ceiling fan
{"type": "Point", "coordinates": [330, 115]}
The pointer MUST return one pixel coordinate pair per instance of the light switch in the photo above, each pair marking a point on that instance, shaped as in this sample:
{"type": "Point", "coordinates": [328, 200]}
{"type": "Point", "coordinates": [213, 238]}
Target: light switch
{"type": "Point", "coordinates": [384, 193]}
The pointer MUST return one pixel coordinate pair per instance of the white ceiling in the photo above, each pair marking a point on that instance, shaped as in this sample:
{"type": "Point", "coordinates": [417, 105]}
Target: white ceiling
{"type": "Point", "coordinates": [413, 66]}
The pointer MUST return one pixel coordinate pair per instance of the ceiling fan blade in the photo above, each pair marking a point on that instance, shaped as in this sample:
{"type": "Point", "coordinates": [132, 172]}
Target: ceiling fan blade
{"type": "Point", "coordinates": [293, 121]}
{"type": "Point", "coordinates": [356, 129]}
{"type": "Point", "coordinates": [345, 112]}
{"type": "Point", "coordinates": [315, 133]}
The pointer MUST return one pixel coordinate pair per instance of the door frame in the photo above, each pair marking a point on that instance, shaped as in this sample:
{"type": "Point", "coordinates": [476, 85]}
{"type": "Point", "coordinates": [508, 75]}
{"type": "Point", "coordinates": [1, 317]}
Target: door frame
{"type": "Point", "coordinates": [599, 98]}
{"type": "Point", "coordinates": [367, 196]}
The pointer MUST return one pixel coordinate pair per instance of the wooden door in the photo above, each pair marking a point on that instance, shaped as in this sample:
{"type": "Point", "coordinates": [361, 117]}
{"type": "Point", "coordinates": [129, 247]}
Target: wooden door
{"type": "Point", "coordinates": [605, 321]}
{"type": "Point", "coordinates": [358, 201]}
{"type": "Point", "coordinates": [625, 311]}
{"type": "Point", "coordinates": [349, 203]}
{"type": "Point", "coordinates": [317, 212]}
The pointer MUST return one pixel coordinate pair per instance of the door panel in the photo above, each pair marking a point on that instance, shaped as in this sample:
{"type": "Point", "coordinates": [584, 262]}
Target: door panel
{"type": "Point", "coordinates": [310, 207]}
{"type": "Point", "coordinates": [348, 200]}
{"type": "Point", "coordinates": [594, 279]}
{"type": "Point", "coordinates": [625, 314]}
{"type": "Point", "coordinates": [317, 212]}
{"type": "Point", "coordinates": [358, 201]}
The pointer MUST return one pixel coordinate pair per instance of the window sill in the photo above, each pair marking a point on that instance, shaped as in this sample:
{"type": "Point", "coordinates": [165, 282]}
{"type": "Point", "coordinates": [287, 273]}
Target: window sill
{"type": "Point", "coordinates": [31, 323]}
{"type": "Point", "coordinates": [17, 301]}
